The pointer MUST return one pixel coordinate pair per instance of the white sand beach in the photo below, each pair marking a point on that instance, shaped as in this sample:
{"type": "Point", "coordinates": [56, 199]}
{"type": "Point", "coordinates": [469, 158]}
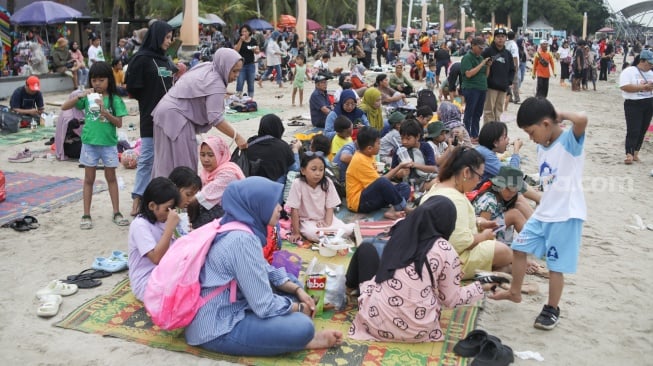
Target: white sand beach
{"type": "Point", "coordinates": [604, 307]}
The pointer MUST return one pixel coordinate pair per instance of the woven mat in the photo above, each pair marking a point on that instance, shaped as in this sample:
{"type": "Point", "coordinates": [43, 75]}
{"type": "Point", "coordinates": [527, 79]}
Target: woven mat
{"type": "Point", "coordinates": [119, 314]}
{"type": "Point", "coordinates": [243, 116]}
{"type": "Point", "coordinates": [25, 135]}
{"type": "Point", "coordinates": [31, 194]}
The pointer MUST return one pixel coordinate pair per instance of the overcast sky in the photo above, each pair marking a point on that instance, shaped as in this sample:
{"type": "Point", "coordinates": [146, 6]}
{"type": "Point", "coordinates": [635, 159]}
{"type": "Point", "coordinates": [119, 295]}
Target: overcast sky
{"type": "Point", "coordinates": [620, 4]}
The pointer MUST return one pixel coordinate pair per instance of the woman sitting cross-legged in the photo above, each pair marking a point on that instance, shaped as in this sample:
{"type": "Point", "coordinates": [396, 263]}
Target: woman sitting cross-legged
{"type": "Point", "coordinates": [271, 314]}
{"type": "Point", "coordinates": [419, 272]}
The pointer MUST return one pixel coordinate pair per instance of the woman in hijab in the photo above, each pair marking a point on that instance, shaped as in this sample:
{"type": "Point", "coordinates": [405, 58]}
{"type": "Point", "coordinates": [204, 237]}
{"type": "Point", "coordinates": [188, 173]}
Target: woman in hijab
{"type": "Point", "coordinates": [346, 106]}
{"type": "Point", "coordinates": [268, 302]}
{"type": "Point", "coordinates": [371, 105]}
{"type": "Point", "coordinates": [273, 156]}
{"type": "Point", "coordinates": [148, 79]}
{"type": "Point", "coordinates": [419, 272]}
{"type": "Point", "coordinates": [450, 116]}
{"type": "Point", "coordinates": [216, 173]}
{"type": "Point", "coordinates": [193, 106]}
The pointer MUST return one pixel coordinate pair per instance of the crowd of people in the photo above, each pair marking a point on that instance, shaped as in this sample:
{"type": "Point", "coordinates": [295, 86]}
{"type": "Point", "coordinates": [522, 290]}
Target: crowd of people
{"type": "Point", "coordinates": [459, 209]}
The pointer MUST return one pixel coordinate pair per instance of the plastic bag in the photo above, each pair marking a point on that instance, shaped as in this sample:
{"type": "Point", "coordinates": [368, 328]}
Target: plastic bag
{"type": "Point", "coordinates": [335, 287]}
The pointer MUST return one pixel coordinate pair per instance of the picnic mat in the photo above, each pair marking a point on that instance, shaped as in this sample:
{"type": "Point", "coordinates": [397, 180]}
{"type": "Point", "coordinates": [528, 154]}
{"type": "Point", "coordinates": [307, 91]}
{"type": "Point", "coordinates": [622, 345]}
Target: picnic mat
{"type": "Point", "coordinates": [119, 314]}
{"type": "Point", "coordinates": [27, 135]}
{"type": "Point", "coordinates": [30, 194]}
{"type": "Point", "coordinates": [243, 116]}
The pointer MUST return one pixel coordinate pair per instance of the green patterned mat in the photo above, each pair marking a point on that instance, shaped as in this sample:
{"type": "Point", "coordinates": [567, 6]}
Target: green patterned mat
{"type": "Point", "coordinates": [25, 135]}
{"type": "Point", "coordinates": [243, 116]}
{"type": "Point", "coordinates": [119, 314]}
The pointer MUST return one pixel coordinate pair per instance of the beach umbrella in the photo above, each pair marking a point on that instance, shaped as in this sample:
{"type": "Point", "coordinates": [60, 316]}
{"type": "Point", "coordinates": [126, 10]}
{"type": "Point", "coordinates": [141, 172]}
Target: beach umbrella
{"type": "Point", "coordinates": [286, 20]}
{"type": "Point", "coordinates": [214, 19]}
{"type": "Point", "coordinates": [312, 25]}
{"type": "Point", "coordinates": [606, 30]}
{"type": "Point", "coordinates": [347, 27]}
{"type": "Point", "coordinates": [449, 24]}
{"type": "Point", "coordinates": [179, 18]}
{"type": "Point", "coordinates": [44, 12]}
{"type": "Point", "coordinates": [470, 29]}
{"type": "Point", "coordinates": [259, 24]}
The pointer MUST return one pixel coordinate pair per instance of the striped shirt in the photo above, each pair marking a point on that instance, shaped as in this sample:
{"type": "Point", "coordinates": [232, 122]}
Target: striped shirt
{"type": "Point", "coordinates": [236, 254]}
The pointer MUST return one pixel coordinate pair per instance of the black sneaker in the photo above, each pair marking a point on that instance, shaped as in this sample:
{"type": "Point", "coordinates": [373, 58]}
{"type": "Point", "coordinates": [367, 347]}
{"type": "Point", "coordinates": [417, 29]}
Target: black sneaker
{"type": "Point", "coordinates": [548, 318]}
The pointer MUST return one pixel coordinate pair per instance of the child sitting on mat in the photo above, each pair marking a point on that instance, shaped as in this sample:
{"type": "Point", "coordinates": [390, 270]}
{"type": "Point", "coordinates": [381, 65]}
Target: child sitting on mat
{"type": "Point", "coordinates": [152, 231]}
{"type": "Point", "coordinates": [312, 200]}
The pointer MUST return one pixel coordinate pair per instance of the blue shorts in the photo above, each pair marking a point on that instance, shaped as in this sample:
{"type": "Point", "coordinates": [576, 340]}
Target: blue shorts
{"type": "Point", "coordinates": [92, 154]}
{"type": "Point", "coordinates": [558, 242]}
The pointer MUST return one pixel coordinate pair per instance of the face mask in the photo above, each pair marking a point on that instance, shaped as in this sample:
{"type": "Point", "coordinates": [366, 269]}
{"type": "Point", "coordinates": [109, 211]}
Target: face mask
{"type": "Point", "coordinates": [346, 85]}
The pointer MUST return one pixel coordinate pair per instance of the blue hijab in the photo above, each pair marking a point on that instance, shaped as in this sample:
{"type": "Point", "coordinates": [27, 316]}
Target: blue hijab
{"type": "Point", "coordinates": [252, 202]}
{"type": "Point", "coordinates": [356, 114]}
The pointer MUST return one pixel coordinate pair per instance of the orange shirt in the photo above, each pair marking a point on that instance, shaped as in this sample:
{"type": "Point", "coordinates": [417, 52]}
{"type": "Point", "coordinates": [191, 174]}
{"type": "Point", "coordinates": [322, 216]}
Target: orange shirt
{"type": "Point", "coordinates": [425, 43]}
{"type": "Point", "coordinates": [540, 70]}
{"type": "Point", "coordinates": [360, 174]}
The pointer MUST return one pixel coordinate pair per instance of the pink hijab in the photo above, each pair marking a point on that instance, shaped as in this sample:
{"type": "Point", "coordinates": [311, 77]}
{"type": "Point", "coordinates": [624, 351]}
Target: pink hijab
{"type": "Point", "coordinates": [207, 78]}
{"type": "Point", "coordinates": [215, 182]}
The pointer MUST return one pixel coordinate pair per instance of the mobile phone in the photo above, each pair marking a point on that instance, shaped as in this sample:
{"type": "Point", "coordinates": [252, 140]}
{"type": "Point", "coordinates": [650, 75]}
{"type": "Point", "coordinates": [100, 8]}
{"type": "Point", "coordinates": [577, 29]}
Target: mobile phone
{"type": "Point", "coordinates": [455, 141]}
{"type": "Point", "coordinates": [499, 228]}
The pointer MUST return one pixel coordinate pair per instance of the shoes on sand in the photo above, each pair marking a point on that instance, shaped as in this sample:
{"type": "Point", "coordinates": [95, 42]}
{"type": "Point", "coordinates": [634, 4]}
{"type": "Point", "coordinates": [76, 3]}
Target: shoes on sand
{"type": "Point", "coordinates": [24, 156]}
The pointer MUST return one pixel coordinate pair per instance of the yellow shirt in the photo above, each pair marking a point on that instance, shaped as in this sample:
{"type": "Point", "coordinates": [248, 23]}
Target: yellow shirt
{"type": "Point", "coordinates": [360, 174]}
{"type": "Point", "coordinates": [119, 75]}
{"type": "Point", "coordinates": [336, 144]}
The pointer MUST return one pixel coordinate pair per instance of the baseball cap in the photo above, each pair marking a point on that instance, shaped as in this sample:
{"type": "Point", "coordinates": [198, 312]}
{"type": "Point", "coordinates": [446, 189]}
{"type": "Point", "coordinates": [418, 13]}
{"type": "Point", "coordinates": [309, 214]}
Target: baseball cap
{"type": "Point", "coordinates": [434, 129]}
{"type": "Point", "coordinates": [33, 82]}
{"type": "Point", "coordinates": [646, 55]}
{"type": "Point", "coordinates": [396, 117]}
{"type": "Point", "coordinates": [500, 31]}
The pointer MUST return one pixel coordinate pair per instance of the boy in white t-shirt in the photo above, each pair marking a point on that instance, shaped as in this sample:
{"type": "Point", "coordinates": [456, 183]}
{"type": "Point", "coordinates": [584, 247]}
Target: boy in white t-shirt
{"type": "Point", "coordinates": [95, 53]}
{"type": "Point", "coordinates": [554, 230]}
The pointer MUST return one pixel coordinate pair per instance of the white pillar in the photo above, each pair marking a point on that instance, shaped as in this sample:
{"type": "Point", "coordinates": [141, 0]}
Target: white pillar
{"type": "Point", "coordinates": [188, 33]}
{"type": "Point", "coordinates": [441, 32]}
{"type": "Point", "coordinates": [300, 27]}
{"type": "Point", "coordinates": [424, 21]}
{"type": "Point", "coordinates": [398, 15]}
{"type": "Point", "coordinates": [585, 25]}
{"type": "Point", "coordinates": [378, 14]}
{"type": "Point", "coordinates": [461, 34]}
{"type": "Point", "coordinates": [361, 14]}
{"type": "Point", "coordinates": [410, 14]}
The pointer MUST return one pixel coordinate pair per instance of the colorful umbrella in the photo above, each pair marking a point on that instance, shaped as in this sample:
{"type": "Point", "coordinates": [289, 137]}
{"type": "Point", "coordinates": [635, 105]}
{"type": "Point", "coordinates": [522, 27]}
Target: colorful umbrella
{"type": "Point", "coordinates": [44, 12]}
{"type": "Point", "coordinates": [312, 25]}
{"type": "Point", "coordinates": [470, 29]}
{"type": "Point", "coordinates": [347, 27]}
{"type": "Point", "coordinates": [259, 24]}
{"type": "Point", "coordinates": [286, 20]}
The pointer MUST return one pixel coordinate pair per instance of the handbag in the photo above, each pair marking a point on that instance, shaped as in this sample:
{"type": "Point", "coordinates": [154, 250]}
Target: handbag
{"type": "Point", "coordinates": [70, 64]}
{"type": "Point", "coordinates": [10, 121]}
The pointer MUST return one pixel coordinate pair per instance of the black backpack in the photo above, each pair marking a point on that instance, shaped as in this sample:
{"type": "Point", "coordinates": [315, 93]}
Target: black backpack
{"type": "Point", "coordinates": [427, 97]}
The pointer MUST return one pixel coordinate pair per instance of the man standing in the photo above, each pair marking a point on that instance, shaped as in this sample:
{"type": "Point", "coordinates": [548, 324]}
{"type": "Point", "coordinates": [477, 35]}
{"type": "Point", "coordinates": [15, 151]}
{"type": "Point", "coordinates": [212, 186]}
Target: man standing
{"type": "Point", "coordinates": [28, 99]}
{"type": "Point", "coordinates": [541, 62]}
{"type": "Point", "coordinates": [474, 86]}
{"type": "Point", "coordinates": [502, 72]}
{"type": "Point", "coordinates": [319, 103]}
{"type": "Point", "coordinates": [511, 46]}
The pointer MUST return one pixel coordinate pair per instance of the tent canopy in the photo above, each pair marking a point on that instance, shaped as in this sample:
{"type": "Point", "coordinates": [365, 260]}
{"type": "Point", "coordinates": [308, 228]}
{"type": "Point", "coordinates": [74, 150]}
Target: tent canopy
{"type": "Point", "coordinates": [178, 19]}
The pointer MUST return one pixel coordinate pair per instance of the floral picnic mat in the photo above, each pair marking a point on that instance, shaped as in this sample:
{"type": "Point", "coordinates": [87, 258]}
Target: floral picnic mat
{"type": "Point", "coordinates": [119, 314]}
{"type": "Point", "coordinates": [31, 194]}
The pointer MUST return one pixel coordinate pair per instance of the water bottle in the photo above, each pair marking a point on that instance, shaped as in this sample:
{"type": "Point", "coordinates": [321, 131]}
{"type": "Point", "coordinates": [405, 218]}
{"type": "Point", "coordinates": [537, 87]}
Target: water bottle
{"type": "Point", "coordinates": [121, 183]}
{"type": "Point", "coordinates": [33, 125]}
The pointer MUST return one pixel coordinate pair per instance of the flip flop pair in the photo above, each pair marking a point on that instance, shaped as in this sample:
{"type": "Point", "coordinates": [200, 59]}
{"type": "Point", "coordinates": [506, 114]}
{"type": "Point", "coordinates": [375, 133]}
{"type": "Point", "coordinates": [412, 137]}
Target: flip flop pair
{"type": "Point", "coordinates": [87, 278]}
{"type": "Point", "coordinates": [27, 223]}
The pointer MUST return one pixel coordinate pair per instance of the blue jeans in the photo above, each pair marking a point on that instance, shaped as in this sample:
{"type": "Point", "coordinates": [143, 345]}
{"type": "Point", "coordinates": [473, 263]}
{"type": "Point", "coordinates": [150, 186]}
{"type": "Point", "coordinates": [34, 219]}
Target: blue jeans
{"type": "Point", "coordinates": [381, 193]}
{"type": "Point", "coordinates": [247, 73]}
{"type": "Point", "coordinates": [254, 336]}
{"type": "Point", "coordinates": [82, 76]}
{"type": "Point", "coordinates": [144, 168]}
{"type": "Point", "coordinates": [522, 72]}
{"type": "Point", "coordinates": [474, 102]}
{"type": "Point", "coordinates": [269, 71]}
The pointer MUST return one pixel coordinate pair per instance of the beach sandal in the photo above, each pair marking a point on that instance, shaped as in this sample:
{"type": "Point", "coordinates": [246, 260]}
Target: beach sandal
{"type": "Point", "coordinates": [537, 269]}
{"type": "Point", "coordinates": [119, 220]}
{"type": "Point", "coordinates": [492, 277]}
{"type": "Point", "coordinates": [296, 123]}
{"type": "Point", "coordinates": [106, 264]}
{"type": "Point", "coordinates": [50, 305]}
{"type": "Point", "coordinates": [89, 273]}
{"type": "Point", "coordinates": [31, 221]}
{"type": "Point", "coordinates": [118, 255]}
{"type": "Point", "coordinates": [86, 223]}
{"type": "Point", "coordinates": [20, 225]}
{"type": "Point", "coordinates": [493, 353]}
{"type": "Point", "coordinates": [471, 345]}
{"type": "Point", "coordinates": [84, 282]}
{"type": "Point", "coordinates": [56, 287]}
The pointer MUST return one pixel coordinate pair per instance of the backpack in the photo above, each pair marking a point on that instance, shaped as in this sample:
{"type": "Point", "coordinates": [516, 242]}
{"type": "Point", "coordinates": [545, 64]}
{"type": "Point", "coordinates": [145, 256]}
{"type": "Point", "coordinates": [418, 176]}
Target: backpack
{"type": "Point", "coordinates": [172, 295]}
{"type": "Point", "coordinates": [427, 97]}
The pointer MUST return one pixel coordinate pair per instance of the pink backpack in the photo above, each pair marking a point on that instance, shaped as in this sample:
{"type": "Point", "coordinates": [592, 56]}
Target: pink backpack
{"type": "Point", "coordinates": [172, 295]}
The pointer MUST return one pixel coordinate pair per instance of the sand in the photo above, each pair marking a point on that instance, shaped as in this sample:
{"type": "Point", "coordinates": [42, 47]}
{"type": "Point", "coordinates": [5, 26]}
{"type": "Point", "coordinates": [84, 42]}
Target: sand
{"type": "Point", "coordinates": [604, 307]}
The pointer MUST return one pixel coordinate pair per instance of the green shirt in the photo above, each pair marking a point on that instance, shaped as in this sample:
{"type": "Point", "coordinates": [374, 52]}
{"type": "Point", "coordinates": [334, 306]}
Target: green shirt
{"type": "Point", "coordinates": [478, 81]}
{"type": "Point", "coordinates": [97, 130]}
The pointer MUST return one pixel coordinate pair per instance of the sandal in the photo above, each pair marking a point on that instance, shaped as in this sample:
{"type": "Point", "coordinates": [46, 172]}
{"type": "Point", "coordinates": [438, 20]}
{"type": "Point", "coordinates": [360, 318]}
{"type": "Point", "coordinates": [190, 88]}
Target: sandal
{"type": "Point", "coordinates": [31, 221]}
{"type": "Point", "coordinates": [86, 223]}
{"type": "Point", "coordinates": [57, 287]}
{"type": "Point", "coordinates": [628, 160]}
{"type": "Point", "coordinates": [50, 305]}
{"type": "Point", "coordinates": [119, 220]}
